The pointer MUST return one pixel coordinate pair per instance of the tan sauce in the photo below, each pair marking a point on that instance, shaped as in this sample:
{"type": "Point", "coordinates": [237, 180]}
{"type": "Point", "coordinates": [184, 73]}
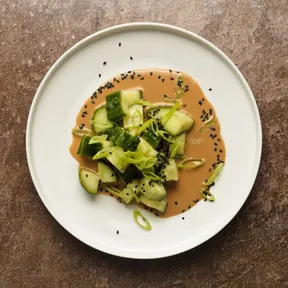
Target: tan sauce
{"type": "Point", "coordinates": [185, 193]}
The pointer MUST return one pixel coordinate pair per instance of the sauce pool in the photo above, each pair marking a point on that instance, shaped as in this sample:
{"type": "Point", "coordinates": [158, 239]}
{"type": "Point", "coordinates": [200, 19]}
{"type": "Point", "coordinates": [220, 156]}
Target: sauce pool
{"type": "Point", "coordinates": [155, 83]}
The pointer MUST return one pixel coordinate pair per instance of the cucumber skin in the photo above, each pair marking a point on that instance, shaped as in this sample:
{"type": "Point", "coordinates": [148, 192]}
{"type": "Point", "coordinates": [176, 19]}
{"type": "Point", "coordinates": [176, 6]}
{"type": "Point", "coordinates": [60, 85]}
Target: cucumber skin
{"type": "Point", "coordinates": [131, 173]}
{"type": "Point", "coordinates": [88, 150]}
{"type": "Point", "coordinates": [151, 138]}
{"type": "Point", "coordinates": [114, 106]}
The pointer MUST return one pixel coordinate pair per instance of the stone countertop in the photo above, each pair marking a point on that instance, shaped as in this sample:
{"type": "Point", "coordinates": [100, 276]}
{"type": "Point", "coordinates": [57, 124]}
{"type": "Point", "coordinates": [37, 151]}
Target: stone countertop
{"type": "Point", "coordinates": [251, 251]}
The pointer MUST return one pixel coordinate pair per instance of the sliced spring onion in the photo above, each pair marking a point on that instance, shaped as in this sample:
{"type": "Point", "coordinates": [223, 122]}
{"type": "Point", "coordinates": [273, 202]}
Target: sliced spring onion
{"type": "Point", "coordinates": [138, 159]}
{"type": "Point", "coordinates": [195, 163]}
{"type": "Point", "coordinates": [98, 139]}
{"type": "Point", "coordinates": [151, 175]}
{"type": "Point", "coordinates": [214, 174]}
{"type": "Point", "coordinates": [103, 153]}
{"type": "Point", "coordinates": [179, 87]}
{"type": "Point", "coordinates": [207, 195]}
{"type": "Point", "coordinates": [144, 103]}
{"type": "Point", "coordinates": [145, 125]}
{"type": "Point", "coordinates": [163, 134]}
{"type": "Point", "coordinates": [209, 122]}
{"type": "Point", "coordinates": [174, 149]}
{"type": "Point", "coordinates": [137, 118]}
{"type": "Point", "coordinates": [168, 115]}
{"type": "Point", "coordinates": [80, 132]}
{"type": "Point", "coordinates": [136, 215]}
{"type": "Point", "coordinates": [116, 192]}
{"type": "Point", "coordinates": [154, 127]}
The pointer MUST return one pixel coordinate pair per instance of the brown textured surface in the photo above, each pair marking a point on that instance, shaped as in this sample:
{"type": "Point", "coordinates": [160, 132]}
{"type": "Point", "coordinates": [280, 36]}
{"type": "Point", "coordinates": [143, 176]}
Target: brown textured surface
{"type": "Point", "coordinates": [251, 251]}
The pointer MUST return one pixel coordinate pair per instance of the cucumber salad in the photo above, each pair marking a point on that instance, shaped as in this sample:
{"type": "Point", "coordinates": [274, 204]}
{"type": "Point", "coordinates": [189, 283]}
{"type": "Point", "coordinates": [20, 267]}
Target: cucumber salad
{"type": "Point", "coordinates": [138, 148]}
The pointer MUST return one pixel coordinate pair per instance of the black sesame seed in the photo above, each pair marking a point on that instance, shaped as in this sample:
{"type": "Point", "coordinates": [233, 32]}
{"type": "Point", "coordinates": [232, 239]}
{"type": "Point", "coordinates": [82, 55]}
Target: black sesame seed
{"type": "Point", "coordinates": [200, 103]}
{"type": "Point", "coordinates": [183, 218]}
{"type": "Point", "coordinates": [151, 73]}
{"type": "Point", "coordinates": [221, 151]}
{"type": "Point", "coordinates": [85, 106]}
{"type": "Point", "coordinates": [99, 75]}
{"type": "Point", "coordinates": [93, 102]}
{"type": "Point", "coordinates": [131, 58]}
{"type": "Point", "coordinates": [119, 44]}
{"type": "Point", "coordinates": [117, 232]}
{"type": "Point", "coordinates": [210, 89]}
{"type": "Point", "coordinates": [195, 201]}
{"type": "Point", "coordinates": [183, 210]}
{"type": "Point", "coordinates": [142, 78]}
{"type": "Point", "coordinates": [86, 175]}
{"type": "Point", "coordinates": [170, 70]}
{"type": "Point", "coordinates": [172, 78]}
{"type": "Point", "coordinates": [215, 144]}
{"type": "Point", "coordinates": [184, 105]}
{"type": "Point", "coordinates": [159, 76]}
{"type": "Point", "coordinates": [215, 149]}
{"type": "Point", "coordinates": [176, 203]}
{"type": "Point", "coordinates": [163, 80]}
{"type": "Point", "coordinates": [104, 63]}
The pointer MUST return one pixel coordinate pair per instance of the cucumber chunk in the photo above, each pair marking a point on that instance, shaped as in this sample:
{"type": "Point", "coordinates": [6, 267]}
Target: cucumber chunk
{"type": "Point", "coordinates": [89, 179]}
{"type": "Point", "coordinates": [160, 206]}
{"type": "Point", "coordinates": [122, 138]}
{"type": "Point", "coordinates": [180, 141]}
{"type": "Point", "coordinates": [134, 117]}
{"type": "Point", "coordinates": [132, 96]}
{"type": "Point", "coordinates": [146, 149]}
{"type": "Point", "coordinates": [100, 121]}
{"type": "Point", "coordinates": [115, 159]}
{"type": "Point", "coordinates": [116, 106]}
{"type": "Point", "coordinates": [151, 138]}
{"type": "Point", "coordinates": [131, 173]}
{"type": "Point", "coordinates": [106, 173]}
{"type": "Point", "coordinates": [127, 195]}
{"type": "Point", "coordinates": [169, 171]}
{"type": "Point", "coordinates": [151, 189]}
{"type": "Point", "coordinates": [178, 123]}
{"type": "Point", "coordinates": [89, 150]}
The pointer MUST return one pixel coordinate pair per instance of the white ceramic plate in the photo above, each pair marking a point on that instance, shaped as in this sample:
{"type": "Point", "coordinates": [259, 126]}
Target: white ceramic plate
{"type": "Point", "coordinates": [74, 77]}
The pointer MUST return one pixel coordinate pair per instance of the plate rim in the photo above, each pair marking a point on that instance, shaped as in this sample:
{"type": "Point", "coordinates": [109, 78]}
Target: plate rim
{"type": "Point", "coordinates": [107, 32]}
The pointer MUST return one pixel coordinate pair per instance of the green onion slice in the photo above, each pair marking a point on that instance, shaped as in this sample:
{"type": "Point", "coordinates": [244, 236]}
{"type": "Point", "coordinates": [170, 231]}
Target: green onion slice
{"type": "Point", "coordinates": [98, 139]}
{"type": "Point", "coordinates": [168, 98]}
{"type": "Point", "coordinates": [136, 215]}
{"type": "Point", "coordinates": [207, 195]}
{"type": "Point", "coordinates": [80, 132]}
{"type": "Point", "coordinates": [163, 134]}
{"type": "Point", "coordinates": [191, 163]}
{"type": "Point", "coordinates": [174, 150]}
{"type": "Point", "coordinates": [103, 153]}
{"type": "Point", "coordinates": [154, 127]}
{"type": "Point", "coordinates": [144, 103]}
{"type": "Point", "coordinates": [116, 192]}
{"type": "Point", "coordinates": [209, 122]}
{"type": "Point", "coordinates": [168, 115]}
{"type": "Point", "coordinates": [214, 174]}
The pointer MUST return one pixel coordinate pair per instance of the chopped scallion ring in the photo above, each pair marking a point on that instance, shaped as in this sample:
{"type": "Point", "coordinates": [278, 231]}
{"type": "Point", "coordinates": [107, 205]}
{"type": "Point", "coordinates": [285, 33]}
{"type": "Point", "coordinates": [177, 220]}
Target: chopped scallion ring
{"type": "Point", "coordinates": [195, 163]}
{"type": "Point", "coordinates": [137, 214]}
{"type": "Point", "coordinates": [207, 195]}
{"type": "Point", "coordinates": [214, 174]}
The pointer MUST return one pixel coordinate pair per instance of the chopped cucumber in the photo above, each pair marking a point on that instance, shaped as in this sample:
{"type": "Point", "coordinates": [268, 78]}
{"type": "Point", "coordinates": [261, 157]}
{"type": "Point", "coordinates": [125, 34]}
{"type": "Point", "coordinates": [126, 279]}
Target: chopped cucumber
{"type": "Point", "coordinates": [131, 173]}
{"type": "Point", "coordinates": [178, 123]}
{"type": "Point", "coordinates": [132, 189]}
{"type": "Point", "coordinates": [115, 159]}
{"type": "Point", "coordinates": [180, 142]}
{"type": "Point", "coordinates": [151, 138]}
{"type": "Point", "coordinates": [106, 173]}
{"type": "Point", "coordinates": [160, 206]}
{"type": "Point", "coordinates": [169, 171]}
{"type": "Point", "coordinates": [122, 138]}
{"type": "Point", "coordinates": [151, 189]}
{"type": "Point", "coordinates": [134, 117]}
{"type": "Point", "coordinates": [89, 150]}
{"type": "Point", "coordinates": [132, 96]}
{"type": "Point", "coordinates": [100, 121]}
{"type": "Point", "coordinates": [89, 179]}
{"type": "Point", "coordinates": [146, 149]}
{"type": "Point", "coordinates": [116, 106]}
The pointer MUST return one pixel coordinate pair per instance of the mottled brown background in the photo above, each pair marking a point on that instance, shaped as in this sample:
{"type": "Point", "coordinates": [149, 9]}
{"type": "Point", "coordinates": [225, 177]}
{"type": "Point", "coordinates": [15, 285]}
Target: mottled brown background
{"type": "Point", "coordinates": [250, 252]}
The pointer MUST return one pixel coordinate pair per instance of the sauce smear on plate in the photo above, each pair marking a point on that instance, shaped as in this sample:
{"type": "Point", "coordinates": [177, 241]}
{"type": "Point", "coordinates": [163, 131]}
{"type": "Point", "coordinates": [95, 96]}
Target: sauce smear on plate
{"type": "Point", "coordinates": [207, 144]}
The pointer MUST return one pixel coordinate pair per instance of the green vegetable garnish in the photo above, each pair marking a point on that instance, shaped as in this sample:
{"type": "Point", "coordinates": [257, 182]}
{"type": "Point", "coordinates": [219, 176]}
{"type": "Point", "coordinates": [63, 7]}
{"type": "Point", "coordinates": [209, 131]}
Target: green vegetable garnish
{"type": "Point", "coordinates": [174, 149]}
{"type": "Point", "coordinates": [103, 153]}
{"type": "Point", "coordinates": [98, 139]}
{"type": "Point", "coordinates": [116, 192]}
{"type": "Point", "coordinates": [163, 134]}
{"type": "Point", "coordinates": [214, 174]}
{"type": "Point", "coordinates": [195, 163]}
{"type": "Point", "coordinates": [151, 175]}
{"type": "Point", "coordinates": [208, 122]}
{"type": "Point", "coordinates": [207, 195]}
{"type": "Point", "coordinates": [80, 132]}
{"type": "Point", "coordinates": [136, 215]}
{"type": "Point", "coordinates": [168, 99]}
{"type": "Point", "coordinates": [144, 103]}
{"type": "Point", "coordinates": [154, 127]}
{"type": "Point", "coordinates": [138, 159]}
{"type": "Point", "coordinates": [168, 115]}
